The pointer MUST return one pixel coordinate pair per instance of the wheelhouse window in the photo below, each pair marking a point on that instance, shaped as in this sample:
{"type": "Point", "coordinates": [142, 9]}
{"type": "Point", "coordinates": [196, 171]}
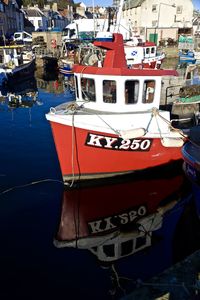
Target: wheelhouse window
{"type": "Point", "coordinates": [76, 86]}
{"type": "Point", "coordinates": [126, 248]}
{"type": "Point", "coordinates": [148, 91]}
{"type": "Point", "coordinates": [109, 250]}
{"type": "Point", "coordinates": [152, 50]}
{"type": "Point", "coordinates": [88, 89]}
{"type": "Point", "coordinates": [109, 91]}
{"type": "Point", "coordinates": [147, 50]}
{"type": "Point", "coordinates": [131, 91]}
{"type": "Point", "coordinates": [141, 242]}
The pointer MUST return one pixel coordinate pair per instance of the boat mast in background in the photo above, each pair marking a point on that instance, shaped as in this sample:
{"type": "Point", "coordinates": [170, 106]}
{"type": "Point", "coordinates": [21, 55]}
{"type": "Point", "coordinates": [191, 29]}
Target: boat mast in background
{"type": "Point", "coordinates": [119, 14]}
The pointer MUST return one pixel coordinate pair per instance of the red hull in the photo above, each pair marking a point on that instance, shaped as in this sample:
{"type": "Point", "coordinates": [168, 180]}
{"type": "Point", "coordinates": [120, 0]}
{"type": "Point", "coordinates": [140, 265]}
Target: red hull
{"type": "Point", "coordinates": [99, 210]}
{"type": "Point", "coordinates": [82, 161]}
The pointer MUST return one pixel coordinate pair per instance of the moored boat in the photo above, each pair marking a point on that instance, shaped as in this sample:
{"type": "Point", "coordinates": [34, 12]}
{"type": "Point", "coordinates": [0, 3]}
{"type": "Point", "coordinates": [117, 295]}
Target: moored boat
{"type": "Point", "coordinates": [65, 69]}
{"type": "Point", "coordinates": [186, 50]}
{"type": "Point", "coordinates": [191, 165]}
{"type": "Point", "coordinates": [16, 63]}
{"type": "Point", "coordinates": [191, 155]}
{"type": "Point", "coordinates": [115, 125]}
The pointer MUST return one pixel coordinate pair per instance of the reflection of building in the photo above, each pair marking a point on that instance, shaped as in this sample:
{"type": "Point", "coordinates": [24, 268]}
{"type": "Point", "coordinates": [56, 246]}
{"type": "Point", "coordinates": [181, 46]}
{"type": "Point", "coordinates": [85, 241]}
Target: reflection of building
{"type": "Point", "coordinates": [49, 81]}
{"type": "Point", "coordinates": [11, 18]}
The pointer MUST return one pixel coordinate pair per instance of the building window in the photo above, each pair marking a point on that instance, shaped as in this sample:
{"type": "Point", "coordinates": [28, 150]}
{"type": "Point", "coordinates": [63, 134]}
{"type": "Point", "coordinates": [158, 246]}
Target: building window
{"type": "Point", "coordinates": [154, 8]}
{"type": "Point", "coordinates": [179, 9]}
{"type": "Point", "coordinates": [154, 23]}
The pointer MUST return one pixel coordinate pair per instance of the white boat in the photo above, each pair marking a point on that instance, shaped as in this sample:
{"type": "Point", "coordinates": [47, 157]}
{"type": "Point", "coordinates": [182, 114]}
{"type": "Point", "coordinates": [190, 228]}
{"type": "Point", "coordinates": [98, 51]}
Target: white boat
{"type": "Point", "coordinates": [16, 62]}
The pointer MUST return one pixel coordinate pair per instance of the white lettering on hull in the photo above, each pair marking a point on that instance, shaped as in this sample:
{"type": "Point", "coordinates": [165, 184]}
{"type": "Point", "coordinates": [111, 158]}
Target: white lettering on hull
{"type": "Point", "coordinates": [114, 143]}
{"type": "Point", "coordinates": [112, 222]}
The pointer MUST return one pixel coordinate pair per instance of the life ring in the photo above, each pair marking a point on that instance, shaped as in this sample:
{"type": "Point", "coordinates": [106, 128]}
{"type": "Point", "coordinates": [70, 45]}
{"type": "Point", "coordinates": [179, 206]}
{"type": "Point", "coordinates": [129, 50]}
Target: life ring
{"type": "Point", "coordinates": [53, 43]}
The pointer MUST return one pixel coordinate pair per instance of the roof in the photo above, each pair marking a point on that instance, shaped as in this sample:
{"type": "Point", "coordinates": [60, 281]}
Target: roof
{"type": "Point", "coordinates": [196, 21]}
{"type": "Point", "coordinates": [33, 12]}
{"type": "Point", "coordinates": [133, 3]}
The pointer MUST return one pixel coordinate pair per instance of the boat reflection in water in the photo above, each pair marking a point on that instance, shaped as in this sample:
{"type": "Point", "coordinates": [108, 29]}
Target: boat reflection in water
{"type": "Point", "coordinates": [24, 94]}
{"type": "Point", "coordinates": [121, 219]}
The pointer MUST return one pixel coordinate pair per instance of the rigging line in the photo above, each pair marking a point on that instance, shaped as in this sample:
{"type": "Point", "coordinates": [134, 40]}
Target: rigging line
{"type": "Point", "coordinates": [148, 232]}
{"type": "Point", "coordinates": [172, 127]}
{"type": "Point", "coordinates": [117, 279]}
{"type": "Point", "coordinates": [114, 130]}
{"type": "Point", "coordinates": [158, 126]}
{"type": "Point", "coordinates": [31, 183]}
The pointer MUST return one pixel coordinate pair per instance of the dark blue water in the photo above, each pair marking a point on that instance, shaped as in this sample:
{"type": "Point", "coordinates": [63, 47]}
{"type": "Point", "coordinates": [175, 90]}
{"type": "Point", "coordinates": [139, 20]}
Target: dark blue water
{"type": "Point", "coordinates": [31, 194]}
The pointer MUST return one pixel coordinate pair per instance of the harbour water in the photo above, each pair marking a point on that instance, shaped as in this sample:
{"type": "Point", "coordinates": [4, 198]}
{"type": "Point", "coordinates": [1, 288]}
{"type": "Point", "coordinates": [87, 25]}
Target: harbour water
{"type": "Point", "coordinates": [31, 198]}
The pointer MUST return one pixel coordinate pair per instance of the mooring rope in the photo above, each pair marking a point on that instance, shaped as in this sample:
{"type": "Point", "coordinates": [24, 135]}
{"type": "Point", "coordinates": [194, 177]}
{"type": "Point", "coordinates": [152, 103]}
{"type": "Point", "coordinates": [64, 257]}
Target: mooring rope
{"type": "Point", "coordinates": [30, 183]}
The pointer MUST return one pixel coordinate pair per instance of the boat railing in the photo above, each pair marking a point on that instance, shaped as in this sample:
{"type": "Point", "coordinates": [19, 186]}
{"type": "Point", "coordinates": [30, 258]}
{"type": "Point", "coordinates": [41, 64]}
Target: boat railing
{"type": "Point", "coordinates": [189, 92]}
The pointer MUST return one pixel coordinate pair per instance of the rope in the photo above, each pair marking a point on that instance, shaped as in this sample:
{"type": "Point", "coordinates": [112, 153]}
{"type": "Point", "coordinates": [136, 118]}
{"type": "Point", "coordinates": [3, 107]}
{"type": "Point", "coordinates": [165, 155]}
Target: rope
{"type": "Point", "coordinates": [155, 114]}
{"type": "Point", "coordinates": [139, 283]}
{"type": "Point", "coordinates": [116, 279]}
{"type": "Point", "coordinates": [170, 125]}
{"type": "Point", "coordinates": [29, 184]}
{"type": "Point", "coordinates": [114, 130]}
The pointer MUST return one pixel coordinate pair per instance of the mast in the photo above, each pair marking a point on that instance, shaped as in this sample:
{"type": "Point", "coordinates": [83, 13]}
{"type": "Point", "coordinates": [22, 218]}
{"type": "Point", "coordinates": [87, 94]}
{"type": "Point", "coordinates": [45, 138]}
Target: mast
{"type": "Point", "coordinates": [119, 14]}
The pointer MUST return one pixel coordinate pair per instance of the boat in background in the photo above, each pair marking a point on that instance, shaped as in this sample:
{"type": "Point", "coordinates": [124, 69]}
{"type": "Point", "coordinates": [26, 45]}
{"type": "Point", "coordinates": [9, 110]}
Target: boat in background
{"type": "Point", "coordinates": [144, 55]}
{"type": "Point", "coordinates": [124, 217]}
{"type": "Point", "coordinates": [16, 63]}
{"type": "Point", "coordinates": [139, 54]}
{"type": "Point", "coordinates": [191, 155]}
{"type": "Point", "coordinates": [65, 69]}
{"type": "Point", "coordinates": [191, 166]}
{"type": "Point", "coordinates": [186, 50]}
{"type": "Point", "coordinates": [115, 126]}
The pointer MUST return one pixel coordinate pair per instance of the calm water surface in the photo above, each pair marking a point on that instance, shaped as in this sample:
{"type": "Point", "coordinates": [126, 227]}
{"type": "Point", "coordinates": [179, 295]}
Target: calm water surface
{"type": "Point", "coordinates": [31, 195]}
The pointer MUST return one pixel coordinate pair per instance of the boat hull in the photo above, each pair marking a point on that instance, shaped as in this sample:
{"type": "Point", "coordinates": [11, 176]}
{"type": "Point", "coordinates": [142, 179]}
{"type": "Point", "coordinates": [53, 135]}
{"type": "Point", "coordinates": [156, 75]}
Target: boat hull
{"type": "Point", "coordinates": [191, 156]}
{"type": "Point", "coordinates": [66, 71]}
{"type": "Point", "coordinates": [19, 73]}
{"type": "Point", "coordinates": [85, 154]}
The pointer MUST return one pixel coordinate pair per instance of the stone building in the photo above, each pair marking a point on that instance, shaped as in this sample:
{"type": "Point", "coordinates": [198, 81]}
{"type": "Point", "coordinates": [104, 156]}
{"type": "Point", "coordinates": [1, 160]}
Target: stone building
{"type": "Point", "coordinates": [158, 20]}
{"type": "Point", "coordinates": [11, 17]}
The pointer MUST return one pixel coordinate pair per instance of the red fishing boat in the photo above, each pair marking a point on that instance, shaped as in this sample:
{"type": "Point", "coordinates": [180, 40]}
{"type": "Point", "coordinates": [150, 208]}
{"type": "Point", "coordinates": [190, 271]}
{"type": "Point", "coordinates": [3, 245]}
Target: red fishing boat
{"type": "Point", "coordinates": [115, 125]}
